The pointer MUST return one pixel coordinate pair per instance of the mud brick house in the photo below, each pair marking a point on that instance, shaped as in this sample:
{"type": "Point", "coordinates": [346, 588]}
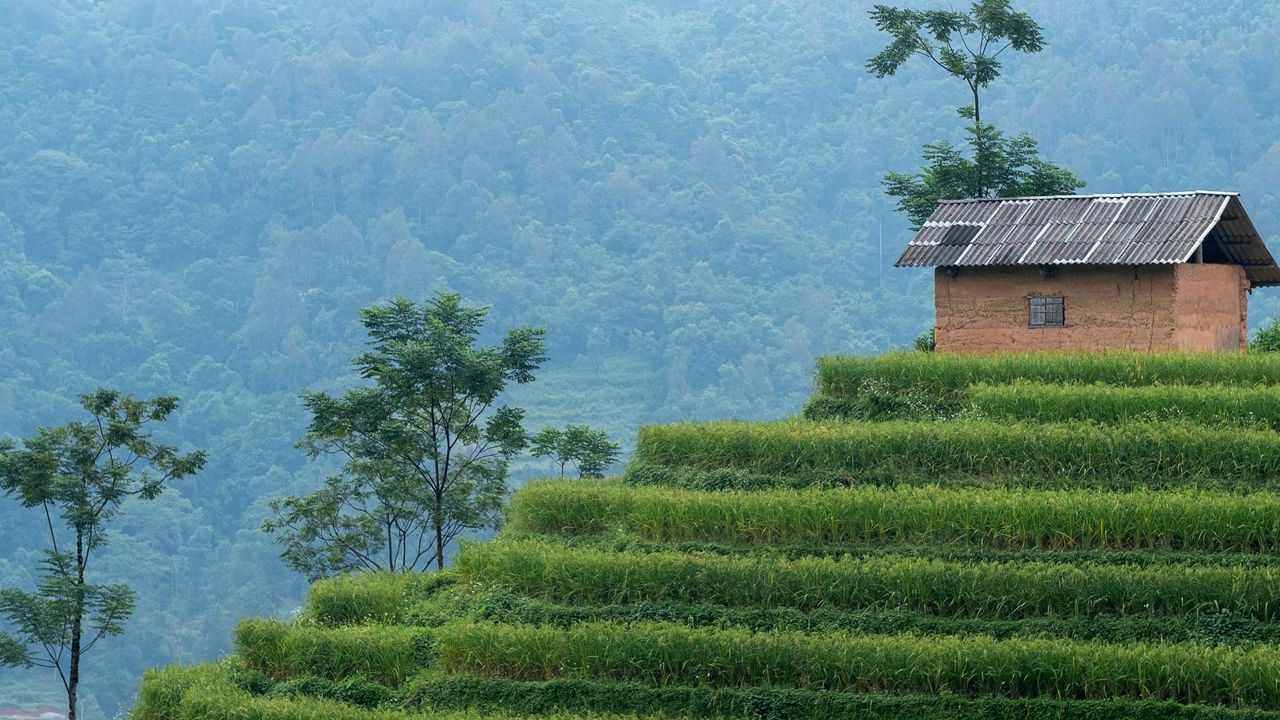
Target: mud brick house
{"type": "Point", "coordinates": [1170, 271]}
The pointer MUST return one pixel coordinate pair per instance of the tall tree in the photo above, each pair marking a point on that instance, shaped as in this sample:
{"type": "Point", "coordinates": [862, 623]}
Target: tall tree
{"type": "Point", "coordinates": [967, 46]}
{"type": "Point", "coordinates": [77, 476]}
{"type": "Point", "coordinates": [425, 445]}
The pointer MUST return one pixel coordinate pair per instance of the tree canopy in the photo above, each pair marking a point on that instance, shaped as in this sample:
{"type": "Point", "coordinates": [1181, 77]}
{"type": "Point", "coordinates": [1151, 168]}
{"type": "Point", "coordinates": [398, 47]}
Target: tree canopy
{"type": "Point", "coordinates": [425, 446]}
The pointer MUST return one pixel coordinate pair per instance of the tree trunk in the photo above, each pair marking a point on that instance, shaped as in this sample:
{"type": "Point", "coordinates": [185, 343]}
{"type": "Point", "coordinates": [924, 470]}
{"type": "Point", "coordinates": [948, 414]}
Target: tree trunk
{"type": "Point", "coordinates": [73, 675]}
{"type": "Point", "coordinates": [439, 523]}
{"type": "Point", "coordinates": [978, 160]}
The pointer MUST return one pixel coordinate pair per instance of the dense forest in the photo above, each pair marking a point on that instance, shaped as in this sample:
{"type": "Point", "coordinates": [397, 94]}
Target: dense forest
{"type": "Point", "coordinates": [196, 197]}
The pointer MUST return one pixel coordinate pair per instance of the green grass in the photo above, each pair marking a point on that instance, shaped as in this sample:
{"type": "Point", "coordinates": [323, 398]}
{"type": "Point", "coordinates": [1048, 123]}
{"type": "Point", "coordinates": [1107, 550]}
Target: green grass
{"type": "Point", "coordinates": [1123, 455]}
{"type": "Point", "coordinates": [366, 598]}
{"type": "Point", "coordinates": [785, 703]}
{"type": "Point", "coordinates": [993, 517]}
{"type": "Point", "coordinates": [971, 589]}
{"type": "Point", "coordinates": [383, 654]}
{"type": "Point", "coordinates": [943, 374]}
{"type": "Point", "coordinates": [473, 604]}
{"type": "Point", "coordinates": [1207, 404]}
{"type": "Point", "coordinates": [664, 654]}
{"type": "Point", "coordinates": [1013, 536]}
{"type": "Point", "coordinates": [206, 692]}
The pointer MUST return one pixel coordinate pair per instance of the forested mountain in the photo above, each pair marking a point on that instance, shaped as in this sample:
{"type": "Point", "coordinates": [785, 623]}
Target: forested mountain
{"type": "Point", "coordinates": [197, 195]}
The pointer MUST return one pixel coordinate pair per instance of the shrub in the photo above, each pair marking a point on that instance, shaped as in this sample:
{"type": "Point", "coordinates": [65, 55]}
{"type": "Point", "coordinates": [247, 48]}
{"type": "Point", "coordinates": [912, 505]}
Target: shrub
{"type": "Point", "coordinates": [1266, 339]}
{"type": "Point", "coordinates": [1123, 455]}
{"type": "Point", "coordinates": [973, 589]}
{"type": "Point", "coordinates": [664, 654]}
{"type": "Point", "coordinates": [995, 517]}
{"type": "Point", "coordinates": [926, 341]}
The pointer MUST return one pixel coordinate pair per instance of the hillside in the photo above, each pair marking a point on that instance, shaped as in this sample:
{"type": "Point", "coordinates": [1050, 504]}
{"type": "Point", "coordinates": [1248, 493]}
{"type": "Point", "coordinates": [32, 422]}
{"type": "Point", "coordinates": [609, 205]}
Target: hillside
{"type": "Point", "coordinates": [947, 541]}
{"type": "Point", "coordinates": [197, 195]}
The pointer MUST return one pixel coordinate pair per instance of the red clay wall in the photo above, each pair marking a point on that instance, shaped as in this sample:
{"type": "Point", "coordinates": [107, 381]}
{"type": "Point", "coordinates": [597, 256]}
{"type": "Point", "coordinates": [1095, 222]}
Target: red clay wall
{"type": "Point", "coordinates": [1169, 307]}
{"type": "Point", "coordinates": [1212, 307]}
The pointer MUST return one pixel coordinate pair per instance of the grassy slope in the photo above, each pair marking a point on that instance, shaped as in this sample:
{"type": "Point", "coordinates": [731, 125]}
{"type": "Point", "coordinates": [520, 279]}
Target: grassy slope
{"type": "Point", "coordinates": [1119, 594]}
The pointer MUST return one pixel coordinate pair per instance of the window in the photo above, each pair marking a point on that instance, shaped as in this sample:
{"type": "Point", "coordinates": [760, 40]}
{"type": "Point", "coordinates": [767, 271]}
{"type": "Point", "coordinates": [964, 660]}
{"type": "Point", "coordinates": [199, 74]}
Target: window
{"type": "Point", "coordinates": [1047, 311]}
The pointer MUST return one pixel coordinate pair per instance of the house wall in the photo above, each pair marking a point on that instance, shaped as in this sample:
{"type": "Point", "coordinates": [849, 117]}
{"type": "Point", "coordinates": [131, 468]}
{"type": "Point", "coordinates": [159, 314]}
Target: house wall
{"type": "Point", "coordinates": [1212, 307]}
{"type": "Point", "coordinates": [1155, 307]}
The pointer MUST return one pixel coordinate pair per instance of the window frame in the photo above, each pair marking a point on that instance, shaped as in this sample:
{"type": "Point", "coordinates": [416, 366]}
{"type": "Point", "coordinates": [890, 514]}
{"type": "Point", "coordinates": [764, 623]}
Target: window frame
{"type": "Point", "coordinates": [1051, 309]}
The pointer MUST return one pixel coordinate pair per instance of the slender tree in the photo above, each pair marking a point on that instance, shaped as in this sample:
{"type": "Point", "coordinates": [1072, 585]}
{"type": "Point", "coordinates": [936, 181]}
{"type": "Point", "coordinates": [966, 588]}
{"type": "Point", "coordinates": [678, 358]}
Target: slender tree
{"type": "Point", "coordinates": [967, 46]}
{"type": "Point", "coordinates": [77, 476]}
{"type": "Point", "coordinates": [425, 445]}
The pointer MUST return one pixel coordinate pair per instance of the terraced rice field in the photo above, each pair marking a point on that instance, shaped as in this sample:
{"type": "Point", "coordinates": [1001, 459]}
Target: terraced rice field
{"type": "Point", "coordinates": [1099, 539]}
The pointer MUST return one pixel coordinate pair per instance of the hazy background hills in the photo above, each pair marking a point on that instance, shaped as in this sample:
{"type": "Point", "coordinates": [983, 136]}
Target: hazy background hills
{"type": "Point", "coordinates": [197, 195]}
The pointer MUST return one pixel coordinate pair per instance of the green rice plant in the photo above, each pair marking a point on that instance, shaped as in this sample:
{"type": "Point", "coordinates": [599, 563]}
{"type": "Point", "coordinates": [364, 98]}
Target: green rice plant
{"type": "Point", "coordinates": [163, 689]}
{"type": "Point", "coordinates": [753, 702]}
{"type": "Point", "coordinates": [365, 598]}
{"type": "Point", "coordinates": [1249, 406]}
{"type": "Point", "coordinates": [620, 540]}
{"type": "Point", "coordinates": [665, 654]}
{"type": "Point", "coordinates": [474, 603]}
{"type": "Point", "coordinates": [1188, 519]}
{"type": "Point", "coordinates": [1133, 454]}
{"type": "Point", "coordinates": [214, 703]}
{"type": "Point", "coordinates": [945, 374]}
{"type": "Point", "coordinates": [991, 589]}
{"type": "Point", "coordinates": [383, 654]}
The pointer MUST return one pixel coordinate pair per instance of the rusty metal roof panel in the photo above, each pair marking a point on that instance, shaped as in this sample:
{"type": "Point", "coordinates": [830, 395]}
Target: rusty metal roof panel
{"type": "Point", "coordinates": [1134, 229]}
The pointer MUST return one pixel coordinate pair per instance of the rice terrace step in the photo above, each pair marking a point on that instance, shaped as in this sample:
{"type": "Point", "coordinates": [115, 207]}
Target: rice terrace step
{"type": "Point", "coordinates": [1002, 536]}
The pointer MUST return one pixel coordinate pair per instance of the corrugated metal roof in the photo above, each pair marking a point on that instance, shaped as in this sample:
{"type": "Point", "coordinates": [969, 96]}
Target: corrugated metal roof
{"type": "Point", "coordinates": [1133, 229]}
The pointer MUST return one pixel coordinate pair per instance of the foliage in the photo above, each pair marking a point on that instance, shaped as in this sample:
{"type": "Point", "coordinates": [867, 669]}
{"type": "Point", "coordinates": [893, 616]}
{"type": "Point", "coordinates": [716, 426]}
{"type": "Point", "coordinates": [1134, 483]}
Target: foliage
{"type": "Point", "coordinates": [664, 654]}
{"type": "Point", "coordinates": [967, 46]}
{"type": "Point", "coordinates": [998, 166]}
{"type": "Point", "coordinates": [425, 447]}
{"type": "Point", "coordinates": [1266, 339]}
{"type": "Point", "coordinates": [81, 473]}
{"type": "Point", "coordinates": [590, 451]}
{"type": "Point", "coordinates": [926, 341]}
{"type": "Point", "coordinates": [943, 374]}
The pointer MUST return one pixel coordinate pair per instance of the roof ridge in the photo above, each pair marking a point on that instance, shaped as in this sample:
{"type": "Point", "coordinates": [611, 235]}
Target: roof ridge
{"type": "Point", "coordinates": [1224, 193]}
